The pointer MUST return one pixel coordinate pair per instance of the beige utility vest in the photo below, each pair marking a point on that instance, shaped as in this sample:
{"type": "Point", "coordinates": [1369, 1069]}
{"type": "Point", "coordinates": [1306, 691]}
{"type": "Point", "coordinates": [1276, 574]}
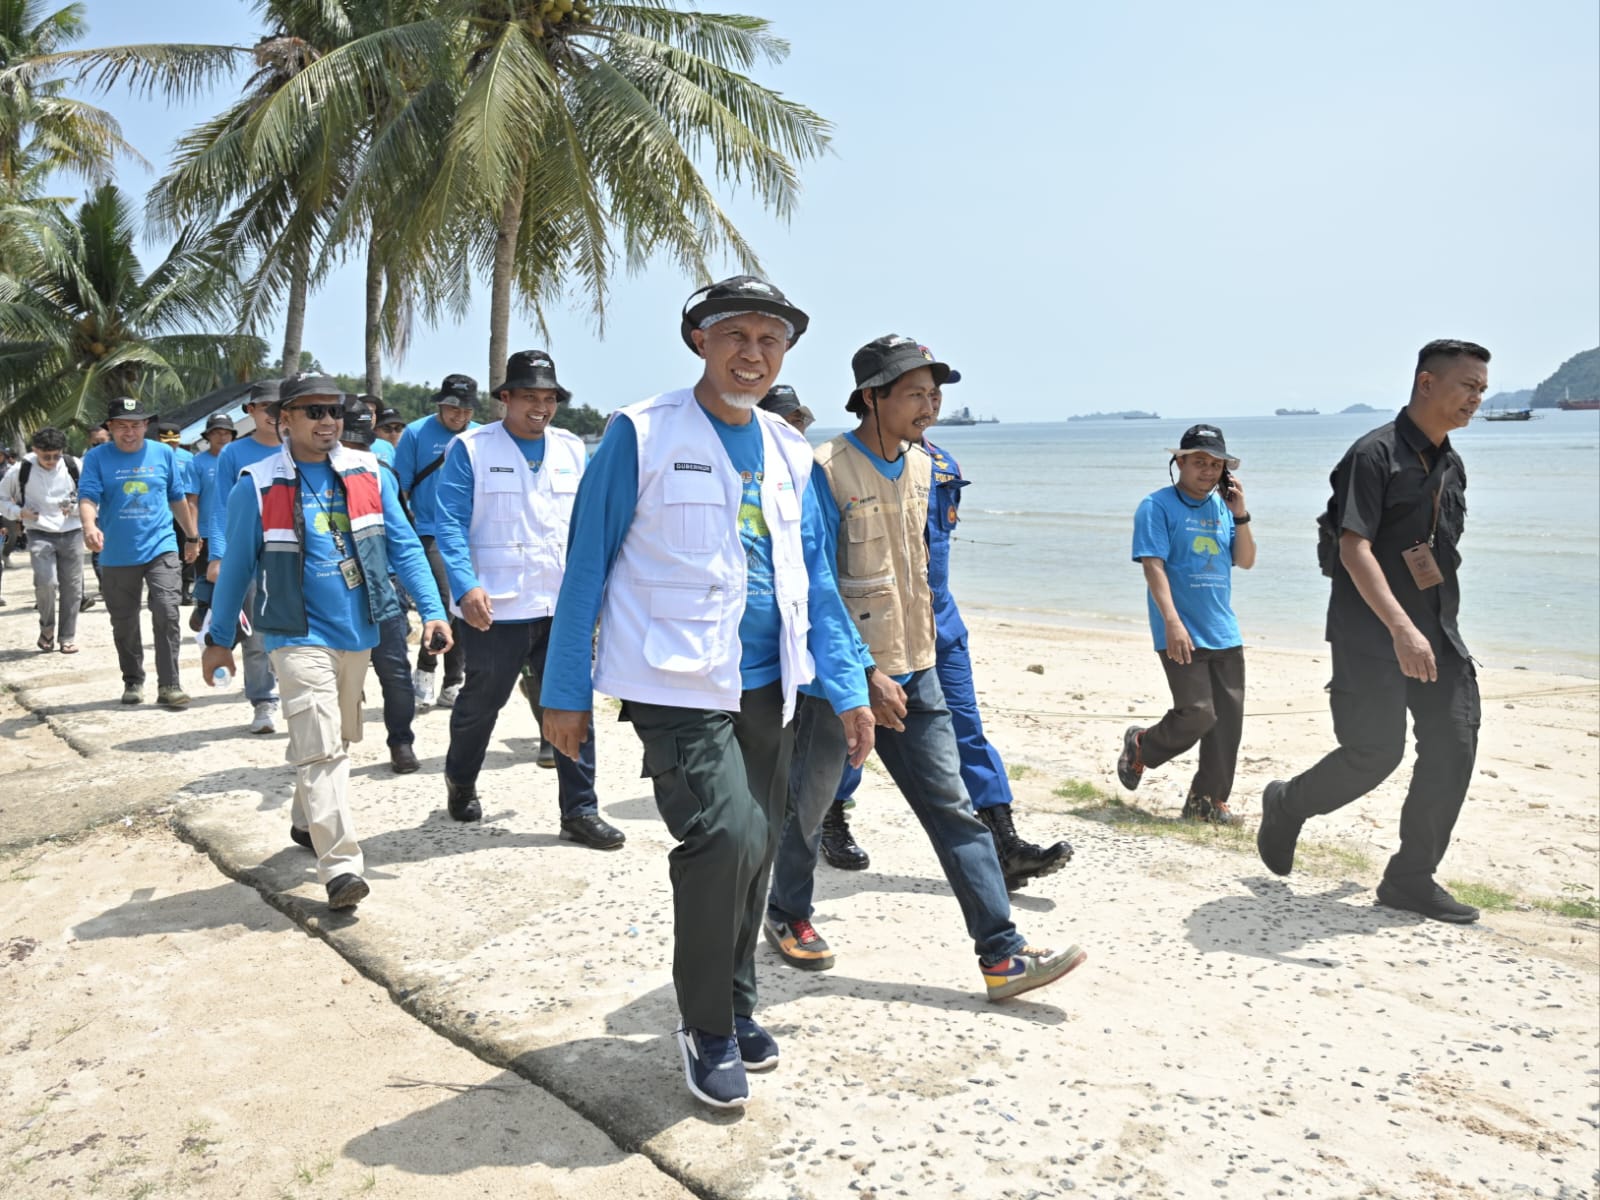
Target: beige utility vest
{"type": "Point", "coordinates": [882, 555]}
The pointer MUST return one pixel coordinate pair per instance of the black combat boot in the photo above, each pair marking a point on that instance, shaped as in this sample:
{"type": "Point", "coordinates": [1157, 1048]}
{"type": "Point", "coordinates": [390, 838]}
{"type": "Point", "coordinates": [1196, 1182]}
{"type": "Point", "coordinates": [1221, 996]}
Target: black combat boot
{"type": "Point", "coordinates": [1020, 860]}
{"type": "Point", "coordinates": [838, 847]}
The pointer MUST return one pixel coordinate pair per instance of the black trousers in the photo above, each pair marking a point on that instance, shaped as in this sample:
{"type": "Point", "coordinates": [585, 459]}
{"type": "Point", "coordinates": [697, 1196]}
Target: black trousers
{"type": "Point", "coordinates": [721, 781]}
{"type": "Point", "coordinates": [1207, 707]}
{"type": "Point", "coordinates": [1370, 698]}
{"type": "Point", "coordinates": [455, 657]}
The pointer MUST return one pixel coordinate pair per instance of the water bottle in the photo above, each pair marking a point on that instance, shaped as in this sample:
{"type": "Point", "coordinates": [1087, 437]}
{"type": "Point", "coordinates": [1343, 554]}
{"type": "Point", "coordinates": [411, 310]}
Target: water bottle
{"type": "Point", "coordinates": [220, 677]}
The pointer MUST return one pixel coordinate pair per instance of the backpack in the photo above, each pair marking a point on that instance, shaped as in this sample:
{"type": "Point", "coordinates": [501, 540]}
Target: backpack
{"type": "Point", "coordinates": [27, 469]}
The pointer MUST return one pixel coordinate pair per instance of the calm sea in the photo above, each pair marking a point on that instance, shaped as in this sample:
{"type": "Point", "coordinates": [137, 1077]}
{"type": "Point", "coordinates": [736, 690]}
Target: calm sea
{"type": "Point", "coordinates": [1047, 527]}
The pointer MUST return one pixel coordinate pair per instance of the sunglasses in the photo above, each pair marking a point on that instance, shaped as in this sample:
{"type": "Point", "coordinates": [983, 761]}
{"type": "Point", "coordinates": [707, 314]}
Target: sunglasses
{"type": "Point", "coordinates": [319, 412]}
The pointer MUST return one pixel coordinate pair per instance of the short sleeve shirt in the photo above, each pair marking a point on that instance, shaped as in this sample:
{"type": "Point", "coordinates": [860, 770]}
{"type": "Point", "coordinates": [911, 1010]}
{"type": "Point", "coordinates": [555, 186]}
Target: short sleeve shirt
{"type": "Point", "coordinates": [1194, 541]}
{"type": "Point", "coordinates": [1383, 491]}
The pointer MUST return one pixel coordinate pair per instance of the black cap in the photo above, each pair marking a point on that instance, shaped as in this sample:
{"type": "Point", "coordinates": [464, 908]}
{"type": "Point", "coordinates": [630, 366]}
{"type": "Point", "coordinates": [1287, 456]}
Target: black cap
{"type": "Point", "coordinates": [357, 424]}
{"type": "Point", "coordinates": [781, 400]}
{"type": "Point", "coordinates": [297, 387]}
{"type": "Point", "coordinates": [883, 360]}
{"type": "Point", "coordinates": [165, 427]}
{"type": "Point", "coordinates": [741, 293]}
{"type": "Point", "coordinates": [459, 390]}
{"type": "Point", "coordinates": [390, 416]}
{"type": "Point", "coordinates": [1207, 438]}
{"type": "Point", "coordinates": [263, 391]}
{"type": "Point", "coordinates": [220, 421]}
{"type": "Point", "coordinates": [126, 408]}
{"type": "Point", "coordinates": [533, 369]}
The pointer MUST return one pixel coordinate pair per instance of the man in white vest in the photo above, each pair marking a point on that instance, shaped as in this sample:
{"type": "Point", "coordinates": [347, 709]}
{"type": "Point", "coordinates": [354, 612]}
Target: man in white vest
{"type": "Point", "coordinates": [872, 488]}
{"type": "Point", "coordinates": [503, 506]}
{"type": "Point", "coordinates": [695, 543]}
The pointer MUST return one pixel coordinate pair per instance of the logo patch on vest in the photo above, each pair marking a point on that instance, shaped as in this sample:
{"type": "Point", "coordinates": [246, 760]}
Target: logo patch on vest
{"type": "Point", "coordinates": [706, 467]}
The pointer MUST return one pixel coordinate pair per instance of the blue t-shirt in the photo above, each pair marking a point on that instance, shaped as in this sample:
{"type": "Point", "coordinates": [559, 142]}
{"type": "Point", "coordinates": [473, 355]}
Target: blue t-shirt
{"type": "Point", "coordinates": [761, 627]}
{"type": "Point", "coordinates": [424, 440]}
{"type": "Point", "coordinates": [1195, 541]}
{"type": "Point", "coordinates": [383, 450]}
{"type": "Point", "coordinates": [235, 457]}
{"type": "Point", "coordinates": [133, 492]}
{"type": "Point", "coordinates": [453, 515]}
{"type": "Point", "coordinates": [202, 486]}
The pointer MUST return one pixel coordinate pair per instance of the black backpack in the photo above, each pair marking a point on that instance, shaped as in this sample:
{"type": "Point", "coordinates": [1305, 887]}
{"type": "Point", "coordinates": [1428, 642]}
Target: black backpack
{"type": "Point", "coordinates": [27, 468]}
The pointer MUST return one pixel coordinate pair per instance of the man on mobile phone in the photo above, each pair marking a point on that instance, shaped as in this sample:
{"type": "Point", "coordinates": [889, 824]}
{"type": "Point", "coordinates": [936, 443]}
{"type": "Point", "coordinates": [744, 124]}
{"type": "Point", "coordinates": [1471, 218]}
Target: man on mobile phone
{"type": "Point", "coordinates": [1391, 538]}
{"type": "Point", "coordinates": [1188, 538]}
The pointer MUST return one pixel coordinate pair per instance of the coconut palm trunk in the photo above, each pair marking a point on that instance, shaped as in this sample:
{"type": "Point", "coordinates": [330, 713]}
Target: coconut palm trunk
{"type": "Point", "coordinates": [374, 321]}
{"type": "Point", "coordinates": [505, 257]}
{"type": "Point", "coordinates": [294, 317]}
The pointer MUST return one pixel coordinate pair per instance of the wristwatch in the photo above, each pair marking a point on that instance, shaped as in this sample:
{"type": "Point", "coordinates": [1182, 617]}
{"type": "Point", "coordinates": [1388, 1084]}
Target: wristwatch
{"type": "Point", "coordinates": [1244, 520]}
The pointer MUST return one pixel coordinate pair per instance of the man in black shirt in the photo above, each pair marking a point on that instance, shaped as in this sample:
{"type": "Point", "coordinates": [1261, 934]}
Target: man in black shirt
{"type": "Point", "coordinates": [1391, 534]}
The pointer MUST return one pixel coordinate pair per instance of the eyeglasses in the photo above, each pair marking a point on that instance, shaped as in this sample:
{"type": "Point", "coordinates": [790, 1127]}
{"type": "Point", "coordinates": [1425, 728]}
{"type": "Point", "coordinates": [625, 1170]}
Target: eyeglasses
{"type": "Point", "coordinates": [319, 412]}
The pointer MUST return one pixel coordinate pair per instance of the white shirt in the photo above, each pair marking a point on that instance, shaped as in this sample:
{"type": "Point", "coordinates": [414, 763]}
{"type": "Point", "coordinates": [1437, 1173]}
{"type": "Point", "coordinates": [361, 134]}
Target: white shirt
{"type": "Point", "coordinates": [51, 493]}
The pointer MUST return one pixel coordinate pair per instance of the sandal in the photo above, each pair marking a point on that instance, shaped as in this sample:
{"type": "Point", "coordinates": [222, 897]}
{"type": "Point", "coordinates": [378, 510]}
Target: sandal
{"type": "Point", "coordinates": [68, 648]}
{"type": "Point", "coordinates": [47, 639]}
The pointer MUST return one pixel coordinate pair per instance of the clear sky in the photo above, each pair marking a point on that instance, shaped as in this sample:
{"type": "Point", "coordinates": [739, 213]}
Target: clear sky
{"type": "Point", "coordinates": [1205, 210]}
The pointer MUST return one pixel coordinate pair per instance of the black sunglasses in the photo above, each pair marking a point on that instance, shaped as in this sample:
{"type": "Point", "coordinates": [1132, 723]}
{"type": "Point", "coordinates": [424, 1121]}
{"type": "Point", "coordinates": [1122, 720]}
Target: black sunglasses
{"type": "Point", "coordinates": [318, 412]}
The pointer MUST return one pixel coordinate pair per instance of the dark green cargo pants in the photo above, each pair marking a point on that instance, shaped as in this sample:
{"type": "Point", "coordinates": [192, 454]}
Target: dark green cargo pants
{"type": "Point", "coordinates": [720, 782]}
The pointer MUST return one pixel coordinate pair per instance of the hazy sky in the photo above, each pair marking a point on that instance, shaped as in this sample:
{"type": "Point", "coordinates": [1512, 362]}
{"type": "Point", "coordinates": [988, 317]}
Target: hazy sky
{"type": "Point", "coordinates": [1202, 209]}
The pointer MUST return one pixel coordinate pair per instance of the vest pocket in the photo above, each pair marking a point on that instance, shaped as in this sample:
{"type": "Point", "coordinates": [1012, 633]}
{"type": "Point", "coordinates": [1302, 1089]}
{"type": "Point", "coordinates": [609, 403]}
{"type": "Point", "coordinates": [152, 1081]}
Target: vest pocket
{"type": "Point", "coordinates": [866, 546]}
{"type": "Point", "coordinates": [683, 624]}
{"type": "Point", "coordinates": [692, 502]}
{"type": "Point", "coordinates": [874, 605]}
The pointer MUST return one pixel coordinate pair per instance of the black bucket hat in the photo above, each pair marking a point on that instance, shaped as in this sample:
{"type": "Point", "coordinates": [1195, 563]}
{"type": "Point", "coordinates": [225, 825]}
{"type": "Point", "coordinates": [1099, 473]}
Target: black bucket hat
{"type": "Point", "coordinates": [262, 391]}
{"type": "Point", "coordinates": [126, 408]}
{"type": "Point", "coordinates": [533, 369]}
{"type": "Point", "coordinates": [1206, 439]}
{"type": "Point", "coordinates": [459, 390]}
{"type": "Point", "coordinates": [220, 421]}
{"type": "Point", "coordinates": [390, 416]}
{"type": "Point", "coordinates": [357, 425]}
{"type": "Point", "coordinates": [297, 387]}
{"type": "Point", "coordinates": [781, 400]}
{"type": "Point", "coordinates": [883, 360]}
{"type": "Point", "coordinates": [741, 293]}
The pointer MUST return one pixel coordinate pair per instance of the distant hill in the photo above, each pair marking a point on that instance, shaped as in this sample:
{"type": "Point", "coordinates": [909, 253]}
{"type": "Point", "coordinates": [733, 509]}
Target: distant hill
{"type": "Point", "coordinates": [1360, 408]}
{"type": "Point", "coordinates": [1579, 376]}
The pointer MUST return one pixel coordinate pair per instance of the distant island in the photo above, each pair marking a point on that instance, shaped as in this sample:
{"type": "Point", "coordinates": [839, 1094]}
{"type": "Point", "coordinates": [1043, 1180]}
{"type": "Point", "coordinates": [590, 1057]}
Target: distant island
{"type": "Point", "coordinates": [1298, 412]}
{"type": "Point", "coordinates": [1359, 408]}
{"type": "Point", "coordinates": [1131, 414]}
{"type": "Point", "coordinates": [1577, 379]}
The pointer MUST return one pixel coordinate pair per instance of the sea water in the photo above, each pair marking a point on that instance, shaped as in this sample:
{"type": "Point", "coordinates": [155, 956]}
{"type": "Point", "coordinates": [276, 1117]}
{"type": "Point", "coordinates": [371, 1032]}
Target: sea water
{"type": "Point", "coordinates": [1047, 527]}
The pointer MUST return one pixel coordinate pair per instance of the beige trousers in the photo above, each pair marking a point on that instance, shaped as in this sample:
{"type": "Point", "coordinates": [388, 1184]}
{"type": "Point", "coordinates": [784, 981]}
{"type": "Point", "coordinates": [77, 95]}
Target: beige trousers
{"type": "Point", "coordinates": [321, 694]}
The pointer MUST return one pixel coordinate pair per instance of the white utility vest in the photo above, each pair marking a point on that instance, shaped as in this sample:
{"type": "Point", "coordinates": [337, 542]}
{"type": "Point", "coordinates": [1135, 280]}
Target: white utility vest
{"type": "Point", "coordinates": [669, 621]}
{"type": "Point", "coordinates": [518, 536]}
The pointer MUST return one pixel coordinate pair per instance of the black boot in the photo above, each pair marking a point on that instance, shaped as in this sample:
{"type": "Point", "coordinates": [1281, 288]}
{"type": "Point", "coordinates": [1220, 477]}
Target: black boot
{"type": "Point", "coordinates": [838, 847]}
{"type": "Point", "coordinates": [462, 800]}
{"type": "Point", "coordinates": [1021, 860]}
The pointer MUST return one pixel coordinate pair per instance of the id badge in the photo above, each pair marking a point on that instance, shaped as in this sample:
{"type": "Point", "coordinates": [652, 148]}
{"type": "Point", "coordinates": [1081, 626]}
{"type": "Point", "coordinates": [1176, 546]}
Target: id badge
{"type": "Point", "coordinates": [351, 570]}
{"type": "Point", "coordinates": [1423, 566]}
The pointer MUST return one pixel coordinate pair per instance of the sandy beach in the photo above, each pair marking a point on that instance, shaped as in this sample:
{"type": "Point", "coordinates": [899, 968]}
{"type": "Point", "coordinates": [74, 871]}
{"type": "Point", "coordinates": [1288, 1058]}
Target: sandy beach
{"type": "Point", "coordinates": [1232, 1034]}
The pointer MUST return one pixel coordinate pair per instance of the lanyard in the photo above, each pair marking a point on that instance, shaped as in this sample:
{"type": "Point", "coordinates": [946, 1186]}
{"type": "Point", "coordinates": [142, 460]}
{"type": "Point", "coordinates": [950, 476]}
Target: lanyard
{"type": "Point", "coordinates": [338, 537]}
{"type": "Point", "coordinates": [1438, 493]}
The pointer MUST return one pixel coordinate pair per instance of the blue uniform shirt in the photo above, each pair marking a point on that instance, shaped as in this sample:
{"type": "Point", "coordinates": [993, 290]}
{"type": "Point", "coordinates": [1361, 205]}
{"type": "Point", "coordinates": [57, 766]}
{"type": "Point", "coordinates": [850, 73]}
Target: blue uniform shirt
{"type": "Point", "coordinates": [1195, 541]}
{"type": "Point", "coordinates": [235, 457]}
{"type": "Point", "coordinates": [423, 442]}
{"type": "Point", "coordinates": [944, 514]}
{"type": "Point", "coordinates": [202, 486]}
{"type": "Point", "coordinates": [453, 519]}
{"type": "Point", "coordinates": [383, 450]}
{"type": "Point", "coordinates": [133, 492]}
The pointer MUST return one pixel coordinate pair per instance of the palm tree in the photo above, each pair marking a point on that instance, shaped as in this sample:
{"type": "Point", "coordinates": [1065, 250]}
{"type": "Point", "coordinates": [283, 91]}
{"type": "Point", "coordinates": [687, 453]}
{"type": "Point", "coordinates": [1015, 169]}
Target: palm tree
{"type": "Point", "coordinates": [88, 324]}
{"type": "Point", "coordinates": [563, 134]}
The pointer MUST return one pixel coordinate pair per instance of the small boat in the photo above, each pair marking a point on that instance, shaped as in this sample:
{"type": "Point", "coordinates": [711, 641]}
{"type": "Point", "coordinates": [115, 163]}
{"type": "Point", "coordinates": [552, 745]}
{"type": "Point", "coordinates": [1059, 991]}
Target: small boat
{"type": "Point", "coordinates": [963, 416]}
{"type": "Point", "coordinates": [1141, 416]}
{"type": "Point", "coordinates": [1298, 412]}
{"type": "Point", "coordinates": [1509, 414]}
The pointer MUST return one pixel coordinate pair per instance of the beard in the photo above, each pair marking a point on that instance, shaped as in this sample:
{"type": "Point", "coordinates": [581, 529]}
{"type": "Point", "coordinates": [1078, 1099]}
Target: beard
{"type": "Point", "coordinates": [740, 400]}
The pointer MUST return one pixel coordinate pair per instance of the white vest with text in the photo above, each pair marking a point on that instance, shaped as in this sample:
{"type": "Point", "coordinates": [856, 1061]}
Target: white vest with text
{"type": "Point", "coordinates": [518, 536]}
{"type": "Point", "coordinates": [669, 622]}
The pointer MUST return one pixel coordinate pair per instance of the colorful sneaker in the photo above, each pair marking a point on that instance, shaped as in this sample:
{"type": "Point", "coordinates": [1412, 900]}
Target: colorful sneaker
{"type": "Point", "coordinates": [1129, 769]}
{"type": "Point", "coordinates": [712, 1068]}
{"type": "Point", "coordinates": [1218, 813]}
{"type": "Point", "coordinates": [1029, 968]}
{"type": "Point", "coordinates": [799, 944]}
{"type": "Point", "coordinates": [758, 1049]}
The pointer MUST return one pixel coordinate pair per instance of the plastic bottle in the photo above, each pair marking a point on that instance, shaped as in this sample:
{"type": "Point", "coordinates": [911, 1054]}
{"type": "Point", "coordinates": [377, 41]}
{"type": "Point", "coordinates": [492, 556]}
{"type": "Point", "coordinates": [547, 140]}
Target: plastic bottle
{"type": "Point", "coordinates": [220, 677]}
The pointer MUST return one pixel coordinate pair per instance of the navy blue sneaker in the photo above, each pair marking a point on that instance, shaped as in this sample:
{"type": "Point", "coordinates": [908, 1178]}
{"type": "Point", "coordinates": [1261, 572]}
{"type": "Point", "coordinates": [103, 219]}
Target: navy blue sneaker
{"type": "Point", "coordinates": [757, 1048]}
{"type": "Point", "coordinates": [712, 1068]}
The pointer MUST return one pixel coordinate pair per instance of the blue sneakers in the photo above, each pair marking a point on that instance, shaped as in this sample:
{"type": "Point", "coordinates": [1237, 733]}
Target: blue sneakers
{"type": "Point", "coordinates": [757, 1048]}
{"type": "Point", "coordinates": [712, 1068]}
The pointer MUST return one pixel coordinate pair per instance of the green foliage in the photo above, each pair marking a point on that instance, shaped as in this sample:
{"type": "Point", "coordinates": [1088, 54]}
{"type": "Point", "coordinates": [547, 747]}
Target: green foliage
{"type": "Point", "coordinates": [1578, 377]}
{"type": "Point", "coordinates": [580, 419]}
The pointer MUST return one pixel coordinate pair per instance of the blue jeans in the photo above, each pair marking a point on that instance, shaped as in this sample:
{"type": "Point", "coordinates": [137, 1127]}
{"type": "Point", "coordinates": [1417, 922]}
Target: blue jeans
{"type": "Point", "coordinates": [981, 767]}
{"type": "Point", "coordinates": [925, 765]}
{"type": "Point", "coordinates": [494, 660]}
{"type": "Point", "coordinates": [391, 663]}
{"type": "Point", "coordinates": [260, 684]}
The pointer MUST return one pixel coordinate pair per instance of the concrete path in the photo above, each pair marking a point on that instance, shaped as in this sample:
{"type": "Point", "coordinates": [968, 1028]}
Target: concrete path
{"type": "Point", "coordinates": [1231, 1033]}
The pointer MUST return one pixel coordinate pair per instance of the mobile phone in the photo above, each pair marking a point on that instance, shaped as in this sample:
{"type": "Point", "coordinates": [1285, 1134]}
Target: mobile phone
{"type": "Point", "coordinates": [1225, 484]}
{"type": "Point", "coordinates": [436, 642]}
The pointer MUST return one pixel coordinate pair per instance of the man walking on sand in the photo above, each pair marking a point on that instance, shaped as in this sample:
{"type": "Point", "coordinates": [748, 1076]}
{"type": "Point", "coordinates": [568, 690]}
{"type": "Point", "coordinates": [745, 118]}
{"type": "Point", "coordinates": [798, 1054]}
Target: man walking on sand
{"type": "Point", "coordinates": [505, 503]}
{"type": "Point", "coordinates": [1189, 537]}
{"type": "Point", "coordinates": [695, 542]}
{"type": "Point", "coordinates": [42, 492]}
{"type": "Point", "coordinates": [418, 459]}
{"type": "Point", "coordinates": [872, 489]}
{"type": "Point", "coordinates": [130, 491]}
{"type": "Point", "coordinates": [317, 527]}
{"type": "Point", "coordinates": [204, 496]}
{"type": "Point", "coordinates": [1390, 541]}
